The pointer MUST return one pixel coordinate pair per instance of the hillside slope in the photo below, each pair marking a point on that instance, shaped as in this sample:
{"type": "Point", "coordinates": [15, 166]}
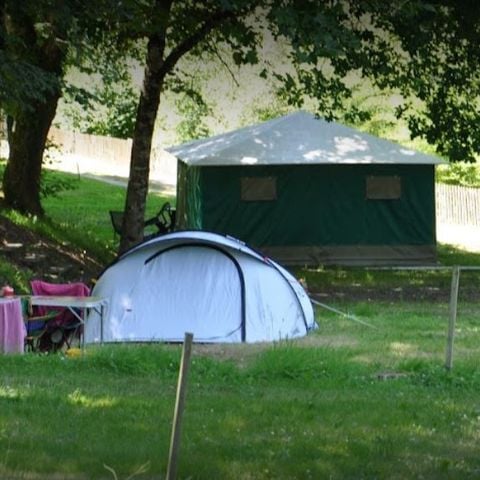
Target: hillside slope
{"type": "Point", "coordinates": [42, 258]}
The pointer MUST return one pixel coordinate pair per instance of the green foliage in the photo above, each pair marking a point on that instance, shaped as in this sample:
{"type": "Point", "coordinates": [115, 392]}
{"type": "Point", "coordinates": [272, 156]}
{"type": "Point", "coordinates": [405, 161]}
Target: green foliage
{"type": "Point", "coordinates": [260, 113]}
{"type": "Point", "coordinates": [22, 83]}
{"type": "Point", "coordinates": [329, 50]}
{"type": "Point", "coordinates": [108, 106]}
{"type": "Point", "coordinates": [439, 79]}
{"type": "Point", "coordinates": [18, 278]}
{"type": "Point", "coordinates": [120, 118]}
{"type": "Point", "coordinates": [460, 173]}
{"type": "Point", "coordinates": [426, 52]}
{"type": "Point", "coordinates": [192, 109]}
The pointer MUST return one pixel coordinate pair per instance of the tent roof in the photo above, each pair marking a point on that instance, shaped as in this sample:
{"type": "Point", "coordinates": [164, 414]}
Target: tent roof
{"type": "Point", "coordinates": [297, 138]}
{"type": "Point", "coordinates": [197, 237]}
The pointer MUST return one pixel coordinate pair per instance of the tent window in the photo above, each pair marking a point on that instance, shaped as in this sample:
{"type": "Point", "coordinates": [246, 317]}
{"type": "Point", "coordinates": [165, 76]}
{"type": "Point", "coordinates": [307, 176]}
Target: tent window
{"type": "Point", "coordinates": [383, 188]}
{"type": "Point", "coordinates": [258, 189]}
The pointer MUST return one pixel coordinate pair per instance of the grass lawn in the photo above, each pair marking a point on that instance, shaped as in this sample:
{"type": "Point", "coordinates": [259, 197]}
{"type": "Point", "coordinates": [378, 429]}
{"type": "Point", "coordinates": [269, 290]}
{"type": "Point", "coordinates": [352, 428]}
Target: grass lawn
{"type": "Point", "coordinates": [86, 207]}
{"type": "Point", "coordinates": [346, 402]}
{"type": "Point", "coordinates": [80, 215]}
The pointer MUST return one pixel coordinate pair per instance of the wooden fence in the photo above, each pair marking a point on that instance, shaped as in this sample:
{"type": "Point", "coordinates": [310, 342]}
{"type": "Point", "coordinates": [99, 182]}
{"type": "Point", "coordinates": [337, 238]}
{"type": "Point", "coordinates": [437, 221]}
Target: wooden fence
{"type": "Point", "coordinates": [106, 155]}
{"type": "Point", "coordinates": [107, 149]}
{"type": "Point", "coordinates": [457, 205]}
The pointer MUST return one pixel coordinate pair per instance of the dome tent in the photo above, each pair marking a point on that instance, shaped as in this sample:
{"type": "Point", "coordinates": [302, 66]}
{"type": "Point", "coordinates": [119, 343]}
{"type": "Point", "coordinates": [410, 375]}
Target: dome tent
{"type": "Point", "coordinates": [213, 286]}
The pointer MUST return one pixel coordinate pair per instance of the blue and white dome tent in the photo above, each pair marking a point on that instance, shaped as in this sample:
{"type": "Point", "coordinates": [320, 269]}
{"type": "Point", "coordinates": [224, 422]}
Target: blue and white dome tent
{"type": "Point", "coordinates": [214, 286]}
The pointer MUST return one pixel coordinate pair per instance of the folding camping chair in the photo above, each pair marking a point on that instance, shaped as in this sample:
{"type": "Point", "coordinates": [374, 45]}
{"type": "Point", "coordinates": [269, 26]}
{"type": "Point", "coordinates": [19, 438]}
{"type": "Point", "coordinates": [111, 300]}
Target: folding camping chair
{"type": "Point", "coordinates": [163, 221]}
{"type": "Point", "coordinates": [37, 327]}
{"type": "Point", "coordinates": [64, 327]}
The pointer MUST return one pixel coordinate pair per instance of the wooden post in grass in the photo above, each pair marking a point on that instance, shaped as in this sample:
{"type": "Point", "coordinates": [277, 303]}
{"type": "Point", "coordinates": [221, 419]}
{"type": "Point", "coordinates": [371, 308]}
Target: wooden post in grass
{"type": "Point", "coordinates": [452, 316]}
{"type": "Point", "coordinates": [179, 407]}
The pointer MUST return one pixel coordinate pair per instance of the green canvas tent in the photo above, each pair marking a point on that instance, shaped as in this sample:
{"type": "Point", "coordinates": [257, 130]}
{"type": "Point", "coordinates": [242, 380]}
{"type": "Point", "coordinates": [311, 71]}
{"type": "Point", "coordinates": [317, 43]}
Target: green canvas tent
{"type": "Point", "coordinates": [306, 191]}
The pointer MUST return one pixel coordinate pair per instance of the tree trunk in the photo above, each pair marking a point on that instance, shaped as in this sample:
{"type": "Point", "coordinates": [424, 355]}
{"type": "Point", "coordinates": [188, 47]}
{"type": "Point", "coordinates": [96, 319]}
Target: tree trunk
{"type": "Point", "coordinates": [21, 180]}
{"type": "Point", "coordinates": [2, 24]}
{"type": "Point", "coordinates": [156, 68]}
{"type": "Point", "coordinates": [137, 189]}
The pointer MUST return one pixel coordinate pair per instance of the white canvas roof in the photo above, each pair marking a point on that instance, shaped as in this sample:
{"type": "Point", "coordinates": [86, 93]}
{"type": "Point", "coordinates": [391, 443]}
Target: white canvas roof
{"type": "Point", "coordinates": [213, 286]}
{"type": "Point", "coordinates": [298, 138]}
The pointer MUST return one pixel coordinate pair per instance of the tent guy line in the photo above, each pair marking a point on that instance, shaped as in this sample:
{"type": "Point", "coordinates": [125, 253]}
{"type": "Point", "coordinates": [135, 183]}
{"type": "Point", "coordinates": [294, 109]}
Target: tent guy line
{"type": "Point", "coordinates": [343, 314]}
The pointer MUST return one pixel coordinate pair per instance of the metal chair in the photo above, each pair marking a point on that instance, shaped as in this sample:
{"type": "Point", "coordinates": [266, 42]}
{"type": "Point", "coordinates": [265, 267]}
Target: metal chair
{"type": "Point", "coordinates": [39, 332]}
{"type": "Point", "coordinates": [163, 221]}
{"type": "Point", "coordinates": [61, 327]}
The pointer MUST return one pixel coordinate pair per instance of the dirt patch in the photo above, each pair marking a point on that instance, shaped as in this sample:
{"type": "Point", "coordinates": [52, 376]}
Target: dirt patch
{"type": "Point", "coordinates": [44, 258]}
{"type": "Point", "coordinates": [397, 294]}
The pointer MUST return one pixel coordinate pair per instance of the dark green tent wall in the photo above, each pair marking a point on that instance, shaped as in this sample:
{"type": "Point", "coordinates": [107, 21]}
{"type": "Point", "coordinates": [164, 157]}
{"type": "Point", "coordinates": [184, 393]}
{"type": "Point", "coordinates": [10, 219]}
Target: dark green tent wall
{"type": "Point", "coordinates": [321, 213]}
{"type": "Point", "coordinates": [306, 191]}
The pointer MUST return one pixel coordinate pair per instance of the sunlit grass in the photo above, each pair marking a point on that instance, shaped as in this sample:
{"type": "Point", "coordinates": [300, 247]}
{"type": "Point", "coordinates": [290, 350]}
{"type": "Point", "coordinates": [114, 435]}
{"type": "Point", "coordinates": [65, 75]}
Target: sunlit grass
{"type": "Point", "coordinates": [80, 216]}
{"type": "Point", "coordinates": [85, 209]}
{"type": "Point", "coordinates": [346, 402]}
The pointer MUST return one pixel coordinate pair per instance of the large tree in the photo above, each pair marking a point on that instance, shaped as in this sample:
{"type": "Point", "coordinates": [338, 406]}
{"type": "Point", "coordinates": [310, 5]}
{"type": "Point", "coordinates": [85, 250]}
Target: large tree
{"type": "Point", "coordinates": [36, 34]}
{"type": "Point", "coordinates": [177, 28]}
{"type": "Point", "coordinates": [327, 42]}
{"type": "Point", "coordinates": [38, 40]}
{"type": "Point", "coordinates": [22, 83]}
{"type": "Point", "coordinates": [441, 75]}
{"type": "Point", "coordinates": [427, 51]}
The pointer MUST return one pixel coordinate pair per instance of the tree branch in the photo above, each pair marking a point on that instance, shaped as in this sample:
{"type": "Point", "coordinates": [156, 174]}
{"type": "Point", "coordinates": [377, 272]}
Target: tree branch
{"type": "Point", "coordinates": [196, 37]}
{"type": "Point", "coordinates": [225, 64]}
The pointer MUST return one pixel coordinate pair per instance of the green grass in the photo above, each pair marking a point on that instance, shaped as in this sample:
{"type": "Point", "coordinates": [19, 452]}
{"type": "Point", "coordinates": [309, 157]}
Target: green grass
{"type": "Point", "coordinates": [86, 207]}
{"type": "Point", "coordinates": [80, 215]}
{"type": "Point", "coordinates": [348, 402]}
{"type": "Point", "coordinates": [314, 408]}
{"type": "Point", "coordinates": [97, 198]}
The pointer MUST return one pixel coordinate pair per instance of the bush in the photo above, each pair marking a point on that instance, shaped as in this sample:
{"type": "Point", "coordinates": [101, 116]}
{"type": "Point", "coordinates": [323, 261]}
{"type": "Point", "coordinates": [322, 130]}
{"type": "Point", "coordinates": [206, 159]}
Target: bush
{"type": "Point", "coordinates": [460, 173]}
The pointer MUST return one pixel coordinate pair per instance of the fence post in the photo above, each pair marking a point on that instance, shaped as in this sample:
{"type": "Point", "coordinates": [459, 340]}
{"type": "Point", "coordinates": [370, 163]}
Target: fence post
{"type": "Point", "coordinates": [179, 407]}
{"type": "Point", "coordinates": [452, 316]}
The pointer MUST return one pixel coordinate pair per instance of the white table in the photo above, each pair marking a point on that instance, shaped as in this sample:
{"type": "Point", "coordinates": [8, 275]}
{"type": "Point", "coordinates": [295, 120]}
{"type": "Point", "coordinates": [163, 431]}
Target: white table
{"type": "Point", "coordinates": [73, 304]}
